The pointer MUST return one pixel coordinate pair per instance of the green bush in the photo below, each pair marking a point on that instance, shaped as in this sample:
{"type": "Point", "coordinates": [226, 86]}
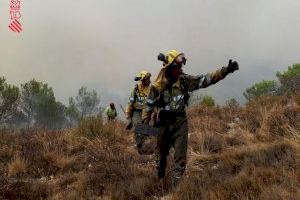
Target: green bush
{"type": "Point", "coordinates": [290, 79]}
{"type": "Point", "coordinates": [265, 87]}
{"type": "Point", "coordinates": [9, 95]}
{"type": "Point", "coordinates": [208, 101]}
{"type": "Point", "coordinates": [94, 127]}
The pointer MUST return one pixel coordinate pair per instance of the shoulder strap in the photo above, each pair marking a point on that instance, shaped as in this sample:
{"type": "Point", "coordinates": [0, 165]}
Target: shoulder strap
{"type": "Point", "coordinates": [136, 90]}
{"type": "Point", "coordinates": [184, 89]}
{"type": "Point", "coordinates": [159, 101]}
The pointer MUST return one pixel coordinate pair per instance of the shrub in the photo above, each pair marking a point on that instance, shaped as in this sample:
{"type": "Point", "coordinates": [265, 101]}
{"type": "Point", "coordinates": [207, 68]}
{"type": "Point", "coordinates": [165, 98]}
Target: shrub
{"type": "Point", "coordinates": [208, 101]}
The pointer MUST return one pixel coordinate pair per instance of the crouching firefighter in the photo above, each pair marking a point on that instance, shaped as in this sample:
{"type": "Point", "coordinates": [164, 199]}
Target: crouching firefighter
{"type": "Point", "coordinates": [137, 101]}
{"type": "Point", "coordinates": [169, 95]}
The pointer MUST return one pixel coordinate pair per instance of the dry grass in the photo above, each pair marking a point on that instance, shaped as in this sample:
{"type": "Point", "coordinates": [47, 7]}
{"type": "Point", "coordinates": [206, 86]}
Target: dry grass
{"type": "Point", "coordinates": [244, 173]}
{"type": "Point", "coordinates": [17, 166]}
{"type": "Point", "coordinates": [254, 157]}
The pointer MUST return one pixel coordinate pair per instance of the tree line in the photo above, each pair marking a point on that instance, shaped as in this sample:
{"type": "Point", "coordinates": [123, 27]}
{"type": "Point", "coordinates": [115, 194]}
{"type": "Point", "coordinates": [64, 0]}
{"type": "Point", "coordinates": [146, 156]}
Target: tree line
{"type": "Point", "coordinates": [34, 103]}
{"type": "Point", "coordinates": [288, 82]}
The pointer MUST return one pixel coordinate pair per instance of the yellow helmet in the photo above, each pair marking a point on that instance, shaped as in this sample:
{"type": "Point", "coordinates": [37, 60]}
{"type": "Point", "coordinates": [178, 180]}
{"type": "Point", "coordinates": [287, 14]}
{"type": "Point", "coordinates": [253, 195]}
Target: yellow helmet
{"type": "Point", "coordinates": [169, 58]}
{"type": "Point", "coordinates": [142, 75]}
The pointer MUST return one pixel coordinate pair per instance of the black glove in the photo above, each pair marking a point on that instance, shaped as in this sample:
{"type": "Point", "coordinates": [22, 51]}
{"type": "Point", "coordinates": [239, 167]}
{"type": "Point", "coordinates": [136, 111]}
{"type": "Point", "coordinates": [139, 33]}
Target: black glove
{"type": "Point", "coordinates": [232, 66]}
{"type": "Point", "coordinates": [129, 126]}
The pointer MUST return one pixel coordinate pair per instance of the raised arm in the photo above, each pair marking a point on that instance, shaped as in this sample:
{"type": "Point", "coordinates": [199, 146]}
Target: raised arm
{"type": "Point", "coordinates": [203, 81]}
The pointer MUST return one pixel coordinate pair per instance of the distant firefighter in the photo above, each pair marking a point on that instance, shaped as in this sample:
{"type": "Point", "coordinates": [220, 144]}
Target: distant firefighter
{"type": "Point", "coordinates": [169, 94]}
{"type": "Point", "coordinates": [137, 101]}
{"type": "Point", "coordinates": [110, 111]}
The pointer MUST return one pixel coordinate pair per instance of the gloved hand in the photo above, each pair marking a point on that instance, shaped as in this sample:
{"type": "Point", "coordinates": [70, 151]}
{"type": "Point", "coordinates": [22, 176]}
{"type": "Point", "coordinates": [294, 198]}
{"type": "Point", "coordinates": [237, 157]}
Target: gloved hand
{"type": "Point", "coordinates": [129, 124]}
{"type": "Point", "coordinates": [232, 66]}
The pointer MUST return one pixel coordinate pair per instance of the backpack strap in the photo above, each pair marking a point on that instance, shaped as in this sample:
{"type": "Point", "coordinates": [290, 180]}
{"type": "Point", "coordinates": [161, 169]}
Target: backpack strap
{"type": "Point", "coordinates": [136, 89]}
{"type": "Point", "coordinates": [185, 90]}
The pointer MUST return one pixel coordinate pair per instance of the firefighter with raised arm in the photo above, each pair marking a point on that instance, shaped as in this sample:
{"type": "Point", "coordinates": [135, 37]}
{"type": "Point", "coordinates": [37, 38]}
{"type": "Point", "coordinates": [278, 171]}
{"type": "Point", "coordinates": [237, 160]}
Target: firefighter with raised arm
{"type": "Point", "coordinates": [169, 95]}
{"type": "Point", "coordinates": [136, 104]}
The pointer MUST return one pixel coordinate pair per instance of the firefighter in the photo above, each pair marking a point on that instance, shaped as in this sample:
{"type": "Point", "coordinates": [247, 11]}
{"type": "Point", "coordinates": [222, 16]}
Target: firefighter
{"type": "Point", "coordinates": [137, 101]}
{"type": "Point", "coordinates": [169, 94]}
{"type": "Point", "coordinates": [111, 112]}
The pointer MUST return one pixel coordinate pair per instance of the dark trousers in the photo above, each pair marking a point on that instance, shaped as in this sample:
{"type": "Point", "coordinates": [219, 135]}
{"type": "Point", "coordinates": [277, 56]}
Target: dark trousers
{"type": "Point", "coordinates": [176, 137]}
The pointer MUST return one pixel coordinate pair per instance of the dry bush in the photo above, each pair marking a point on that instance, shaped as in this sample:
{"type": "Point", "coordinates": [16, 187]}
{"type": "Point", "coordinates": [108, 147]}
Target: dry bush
{"type": "Point", "coordinates": [212, 142]}
{"type": "Point", "coordinates": [7, 146]}
{"type": "Point", "coordinates": [239, 137]}
{"type": "Point", "coordinates": [203, 118]}
{"type": "Point", "coordinates": [207, 142]}
{"type": "Point", "coordinates": [109, 164]}
{"type": "Point", "coordinates": [242, 173]}
{"type": "Point", "coordinates": [280, 119]}
{"type": "Point", "coordinates": [279, 192]}
{"type": "Point", "coordinates": [251, 118]}
{"type": "Point", "coordinates": [255, 111]}
{"type": "Point", "coordinates": [17, 166]}
{"type": "Point", "coordinates": [296, 98]}
{"type": "Point", "coordinates": [255, 158]}
{"type": "Point", "coordinates": [25, 190]}
{"type": "Point", "coordinates": [141, 187]}
{"type": "Point", "coordinates": [93, 127]}
{"type": "Point", "coordinates": [47, 153]}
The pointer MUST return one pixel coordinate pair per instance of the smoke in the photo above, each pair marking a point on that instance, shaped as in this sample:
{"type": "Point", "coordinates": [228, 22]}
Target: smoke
{"type": "Point", "coordinates": [104, 44]}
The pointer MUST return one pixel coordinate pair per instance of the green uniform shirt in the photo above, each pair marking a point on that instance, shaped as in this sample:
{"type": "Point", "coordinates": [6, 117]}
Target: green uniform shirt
{"type": "Point", "coordinates": [110, 113]}
{"type": "Point", "coordinates": [137, 98]}
{"type": "Point", "coordinates": [173, 98]}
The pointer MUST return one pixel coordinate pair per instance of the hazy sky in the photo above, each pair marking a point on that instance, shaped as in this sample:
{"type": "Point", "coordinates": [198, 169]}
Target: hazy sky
{"type": "Point", "coordinates": [103, 44]}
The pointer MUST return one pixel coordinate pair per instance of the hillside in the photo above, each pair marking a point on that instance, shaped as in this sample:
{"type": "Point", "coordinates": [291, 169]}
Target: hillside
{"type": "Point", "coordinates": [250, 152]}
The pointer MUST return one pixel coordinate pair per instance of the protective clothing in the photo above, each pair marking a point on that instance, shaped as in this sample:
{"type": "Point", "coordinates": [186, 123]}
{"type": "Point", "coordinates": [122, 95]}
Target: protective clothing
{"type": "Point", "coordinates": [170, 98]}
{"type": "Point", "coordinates": [136, 104]}
{"type": "Point", "coordinates": [110, 112]}
{"type": "Point", "coordinates": [168, 61]}
{"type": "Point", "coordinates": [142, 76]}
{"type": "Point", "coordinates": [137, 99]}
{"type": "Point", "coordinates": [169, 58]}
